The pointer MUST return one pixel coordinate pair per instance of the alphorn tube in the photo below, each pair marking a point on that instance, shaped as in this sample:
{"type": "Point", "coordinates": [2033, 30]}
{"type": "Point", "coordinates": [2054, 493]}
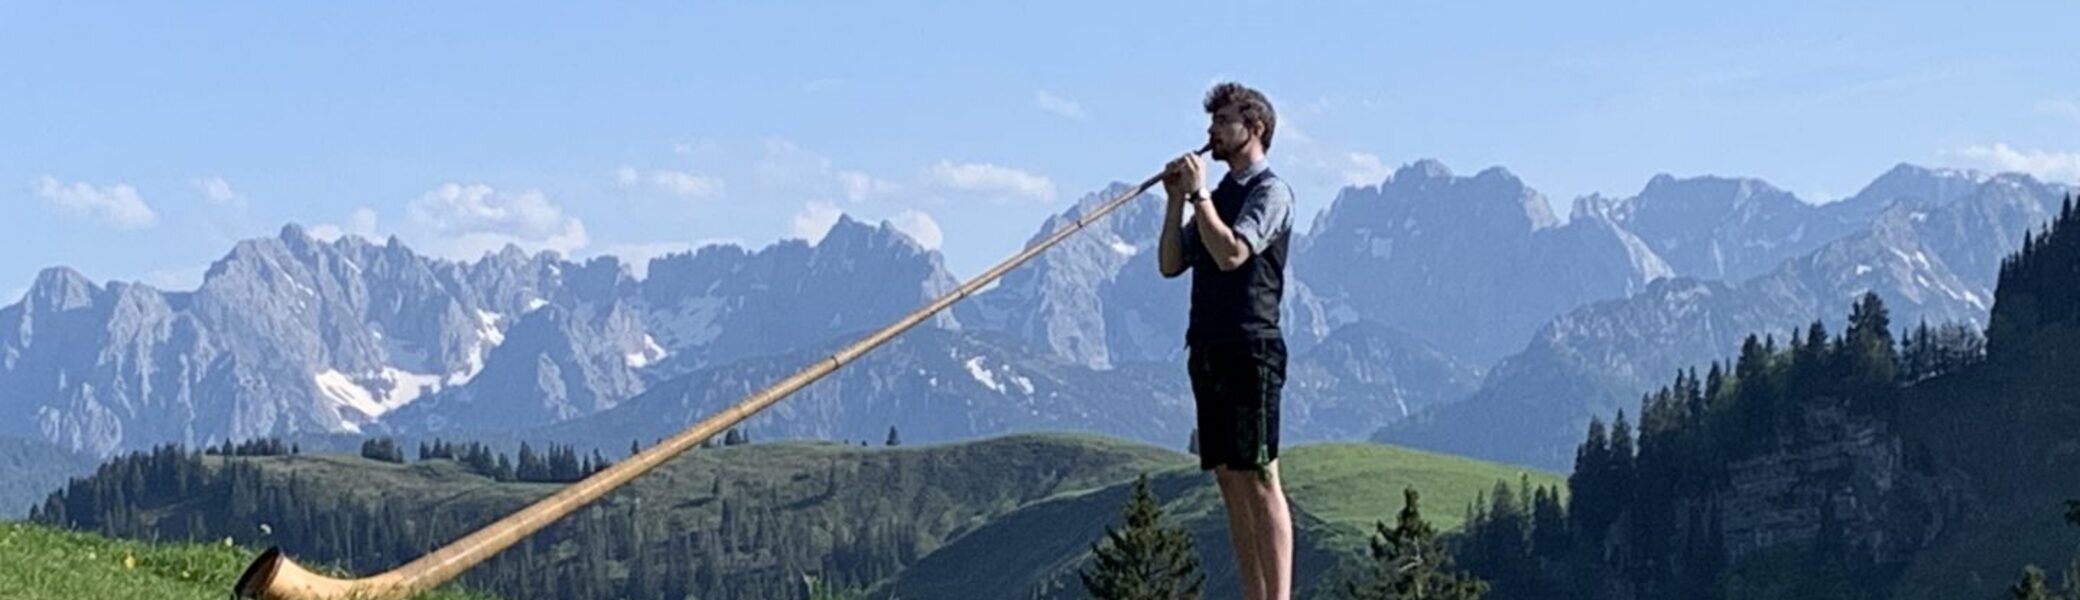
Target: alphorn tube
{"type": "Point", "coordinates": [272, 576]}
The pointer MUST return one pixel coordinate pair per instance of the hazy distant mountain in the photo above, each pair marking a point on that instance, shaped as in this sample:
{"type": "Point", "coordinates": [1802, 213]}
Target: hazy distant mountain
{"type": "Point", "coordinates": [1932, 254]}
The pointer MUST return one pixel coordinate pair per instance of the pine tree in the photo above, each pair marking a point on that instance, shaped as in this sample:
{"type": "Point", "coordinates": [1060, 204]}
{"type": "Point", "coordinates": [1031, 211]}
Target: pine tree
{"type": "Point", "coordinates": [1507, 526]}
{"type": "Point", "coordinates": [1589, 485]}
{"type": "Point", "coordinates": [383, 449]}
{"type": "Point", "coordinates": [893, 439]}
{"type": "Point", "coordinates": [1868, 345]}
{"type": "Point", "coordinates": [530, 466]}
{"type": "Point", "coordinates": [2031, 587]}
{"type": "Point", "coordinates": [1143, 559]}
{"type": "Point", "coordinates": [1622, 468]}
{"type": "Point", "coordinates": [1410, 562]}
{"type": "Point", "coordinates": [1549, 538]}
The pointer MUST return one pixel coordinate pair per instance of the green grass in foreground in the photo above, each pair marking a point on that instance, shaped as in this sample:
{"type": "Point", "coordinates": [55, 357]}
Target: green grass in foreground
{"type": "Point", "coordinates": [38, 562]}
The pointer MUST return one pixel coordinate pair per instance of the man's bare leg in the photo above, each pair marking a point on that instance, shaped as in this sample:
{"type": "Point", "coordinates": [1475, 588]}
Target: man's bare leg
{"type": "Point", "coordinates": [1272, 525]}
{"type": "Point", "coordinates": [1242, 534]}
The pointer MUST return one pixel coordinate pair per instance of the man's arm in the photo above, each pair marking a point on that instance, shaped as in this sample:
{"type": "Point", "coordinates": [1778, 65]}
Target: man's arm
{"type": "Point", "coordinates": [1265, 215]}
{"type": "Point", "coordinates": [1178, 244]}
{"type": "Point", "coordinates": [1170, 250]}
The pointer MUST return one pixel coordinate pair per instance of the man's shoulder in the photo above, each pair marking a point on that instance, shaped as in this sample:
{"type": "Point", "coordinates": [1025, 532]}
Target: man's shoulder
{"type": "Point", "coordinates": [1269, 179]}
{"type": "Point", "coordinates": [1269, 186]}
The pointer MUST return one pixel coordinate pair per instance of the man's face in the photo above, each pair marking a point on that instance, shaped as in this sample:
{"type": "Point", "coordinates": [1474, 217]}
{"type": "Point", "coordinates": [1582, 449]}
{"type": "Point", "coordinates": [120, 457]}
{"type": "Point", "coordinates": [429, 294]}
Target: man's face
{"type": "Point", "coordinates": [1228, 132]}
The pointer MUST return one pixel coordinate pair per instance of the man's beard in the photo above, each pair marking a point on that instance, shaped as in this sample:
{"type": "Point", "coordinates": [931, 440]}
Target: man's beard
{"type": "Point", "coordinates": [1221, 152]}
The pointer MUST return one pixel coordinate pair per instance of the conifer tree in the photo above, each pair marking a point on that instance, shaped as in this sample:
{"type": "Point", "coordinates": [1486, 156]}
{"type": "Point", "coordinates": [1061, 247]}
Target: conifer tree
{"type": "Point", "coordinates": [1143, 559]}
{"type": "Point", "coordinates": [1410, 562]}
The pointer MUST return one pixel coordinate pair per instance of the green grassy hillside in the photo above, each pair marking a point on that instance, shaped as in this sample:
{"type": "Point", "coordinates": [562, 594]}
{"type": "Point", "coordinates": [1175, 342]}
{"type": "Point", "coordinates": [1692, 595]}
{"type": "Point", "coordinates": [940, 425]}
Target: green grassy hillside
{"type": "Point", "coordinates": [1337, 492]}
{"type": "Point", "coordinates": [748, 521]}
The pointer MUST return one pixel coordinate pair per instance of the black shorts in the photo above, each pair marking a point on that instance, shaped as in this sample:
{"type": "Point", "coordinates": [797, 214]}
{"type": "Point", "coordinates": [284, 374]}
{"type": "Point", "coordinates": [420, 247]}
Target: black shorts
{"type": "Point", "coordinates": [1236, 386]}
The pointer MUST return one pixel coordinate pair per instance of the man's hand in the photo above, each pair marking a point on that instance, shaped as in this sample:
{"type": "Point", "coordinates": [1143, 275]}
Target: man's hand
{"type": "Point", "coordinates": [1184, 175]}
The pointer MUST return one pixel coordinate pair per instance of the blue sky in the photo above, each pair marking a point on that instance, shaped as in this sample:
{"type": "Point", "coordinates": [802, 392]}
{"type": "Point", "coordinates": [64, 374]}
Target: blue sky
{"type": "Point", "coordinates": [138, 141]}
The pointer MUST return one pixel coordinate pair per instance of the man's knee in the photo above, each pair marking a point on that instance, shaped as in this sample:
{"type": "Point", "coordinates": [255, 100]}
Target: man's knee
{"type": "Point", "coordinates": [1235, 483]}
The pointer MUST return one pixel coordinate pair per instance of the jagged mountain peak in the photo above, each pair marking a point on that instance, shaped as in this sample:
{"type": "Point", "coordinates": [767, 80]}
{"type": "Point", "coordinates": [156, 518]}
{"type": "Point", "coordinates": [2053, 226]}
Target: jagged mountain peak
{"type": "Point", "coordinates": [1911, 171]}
{"type": "Point", "coordinates": [1422, 170]}
{"type": "Point", "coordinates": [849, 235]}
{"type": "Point", "coordinates": [292, 232]}
{"type": "Point", "coordinates": [1593, 205]}
{"type": "Point", "coordinates": [61, 288]}
{"type": "Point", "coordinates": [1426, 190]}
{"type": "Point", "coordinates": [1710, 190]}
{"type": "Point", "coordinates": [1912, 183]}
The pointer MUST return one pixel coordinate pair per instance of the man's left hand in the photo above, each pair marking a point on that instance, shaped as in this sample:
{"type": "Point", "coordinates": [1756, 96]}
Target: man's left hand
{"type": "Point", "coordinates": [1187, 174]}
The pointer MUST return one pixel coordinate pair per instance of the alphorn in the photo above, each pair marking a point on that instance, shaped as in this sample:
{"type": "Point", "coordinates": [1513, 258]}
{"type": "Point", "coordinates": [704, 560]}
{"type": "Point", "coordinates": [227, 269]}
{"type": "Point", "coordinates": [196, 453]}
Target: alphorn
{"type": "Point", "coordinates": [272, 576]}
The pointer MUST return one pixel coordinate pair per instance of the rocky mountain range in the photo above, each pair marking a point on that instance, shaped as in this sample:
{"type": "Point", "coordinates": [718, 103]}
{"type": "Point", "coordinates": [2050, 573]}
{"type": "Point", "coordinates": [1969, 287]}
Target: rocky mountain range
{"type": "Point", "coordinates": [1931, 252]}
{"type": "Point", "coordinates": [1415, 296]}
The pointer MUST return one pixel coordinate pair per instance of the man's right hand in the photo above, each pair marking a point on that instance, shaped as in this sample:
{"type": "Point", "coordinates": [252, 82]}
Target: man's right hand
{"type": "Point", "coordinates": [1177, 183]}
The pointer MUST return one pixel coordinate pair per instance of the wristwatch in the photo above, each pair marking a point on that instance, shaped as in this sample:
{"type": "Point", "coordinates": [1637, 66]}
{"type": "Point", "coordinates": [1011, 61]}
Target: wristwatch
{"type": "Point", "coordinates": [1193, 197]}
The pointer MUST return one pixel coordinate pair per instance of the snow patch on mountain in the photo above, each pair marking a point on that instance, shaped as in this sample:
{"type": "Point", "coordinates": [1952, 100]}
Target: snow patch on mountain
{"type": "Point", "coordinates": [983, 375]}
{"type": "Point", "coordinates": [650, 354]}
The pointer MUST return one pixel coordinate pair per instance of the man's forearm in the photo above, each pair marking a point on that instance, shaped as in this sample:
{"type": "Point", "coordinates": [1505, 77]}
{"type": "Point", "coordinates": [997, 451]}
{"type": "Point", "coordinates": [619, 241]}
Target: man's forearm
{"type": "Point", "coordinates": [1170, 245]}
{"type": "Point", "coordinates": [1227, 252]}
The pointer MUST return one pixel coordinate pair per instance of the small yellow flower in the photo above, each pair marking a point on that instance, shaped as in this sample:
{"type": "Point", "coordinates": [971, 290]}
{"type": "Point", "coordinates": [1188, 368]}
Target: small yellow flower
{"type": "Point", "coordinates": [129, 562]}
{"type": "Point", "coordinates": [92, 556]}
{"type": "Point", "coordinates": [227, 542]}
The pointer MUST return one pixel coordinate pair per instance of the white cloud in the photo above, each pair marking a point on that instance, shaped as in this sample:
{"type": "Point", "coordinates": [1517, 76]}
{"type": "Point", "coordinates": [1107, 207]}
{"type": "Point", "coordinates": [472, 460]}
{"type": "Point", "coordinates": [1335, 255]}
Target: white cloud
{"type": "Point", "coordinates": [175, 279]}
{"type": "Point", "coordinates": [786, 163]}
{"type": "Point", "coordinates": [697, 147]}
{"type": "Point", "coordinates": [1362, 168]}
{"type": "Point", "coordinates": [117, 205]}
{"type": "Point", "coordinates": [860, 186]}
{"type": "Point", "coordinates": [1290, 132]}
{"type": "Point", "coordinates": [218, 192]}
{"type": "Point", "coordinates": [687, 185]}
{"type": "Point", "coordinates": [814, 220]}
{"type": "Point", "coordinates": [1047, 101]}
{"type": "Point", "coordinates": [466, 221]}
{"type": "Point", "coordinates": [986, 178]}
{"type": "Point", "coordinates": [784, 168]}
{"type": "Point", "coordinates": [919, 226]}
{"type": "Point", "coordinates": [361, 222]}
{"type": "Point", "coordinates": [2064, 109]}
{"type": "Point", "coordinates": [638, 255]}
{"type": "Point", "coordinates": [2057, 166]}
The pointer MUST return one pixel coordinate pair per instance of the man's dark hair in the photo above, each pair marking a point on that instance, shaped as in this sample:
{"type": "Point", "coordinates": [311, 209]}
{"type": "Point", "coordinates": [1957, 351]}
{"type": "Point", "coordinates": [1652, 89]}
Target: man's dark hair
{"type": "Point", "coordinates": [1255, 109]}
